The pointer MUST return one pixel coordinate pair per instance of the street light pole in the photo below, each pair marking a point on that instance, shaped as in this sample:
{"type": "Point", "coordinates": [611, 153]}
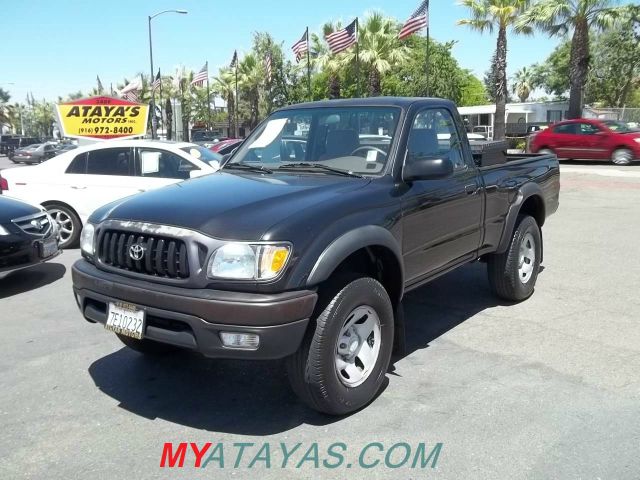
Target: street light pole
{"type": "Point", "coordinates": [151, 78]}
{"type": "Point", "coordinates": [153, 96]}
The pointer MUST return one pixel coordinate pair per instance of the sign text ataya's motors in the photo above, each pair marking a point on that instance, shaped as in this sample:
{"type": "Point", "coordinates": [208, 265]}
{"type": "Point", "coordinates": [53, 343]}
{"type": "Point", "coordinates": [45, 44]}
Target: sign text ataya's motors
{"type": "Point", "coordinates": [103, 118]}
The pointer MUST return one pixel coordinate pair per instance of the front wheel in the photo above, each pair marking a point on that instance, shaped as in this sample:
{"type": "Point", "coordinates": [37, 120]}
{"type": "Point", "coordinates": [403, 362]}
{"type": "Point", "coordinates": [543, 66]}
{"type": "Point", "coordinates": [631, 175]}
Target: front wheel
{"type": "Point", "coordinates": [69, 224]}
{"type": "Point", "coordinates": [513, 274]}
{"type": "Point", "coordinates": [341, 364]}
{"type": "Point", "coordinates": [622, 156]}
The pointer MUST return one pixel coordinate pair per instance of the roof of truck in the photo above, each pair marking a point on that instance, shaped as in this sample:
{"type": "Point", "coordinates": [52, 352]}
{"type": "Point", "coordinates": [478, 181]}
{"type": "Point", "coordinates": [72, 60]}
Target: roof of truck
{"type": "Point", "coordinates": [402, 102]}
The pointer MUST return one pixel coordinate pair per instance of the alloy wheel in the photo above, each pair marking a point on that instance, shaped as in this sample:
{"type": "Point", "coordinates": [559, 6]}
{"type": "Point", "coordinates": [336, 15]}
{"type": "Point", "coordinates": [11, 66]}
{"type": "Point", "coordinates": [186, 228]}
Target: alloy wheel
{"type": "Point", "coordinates": [526, 258]}
{"type": "Point", "coordinates": [358, 346]}
{"type": "Point", "coordinates": [65, 223]}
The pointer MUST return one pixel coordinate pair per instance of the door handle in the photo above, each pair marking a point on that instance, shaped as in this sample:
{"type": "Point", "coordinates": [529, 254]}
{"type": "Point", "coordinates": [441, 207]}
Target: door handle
{"type": "Point", "coordinates": [78, 187]}
{"type": "Point", "coordinates": [142, 189]}
{"type": "Point", "coordinates": [471, 189]}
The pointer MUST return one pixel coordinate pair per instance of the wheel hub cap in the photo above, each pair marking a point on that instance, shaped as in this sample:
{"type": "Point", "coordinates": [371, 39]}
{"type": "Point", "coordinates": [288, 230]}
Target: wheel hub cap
{"type": "Point", "coordinates": [358, 346]}
{"type": "Point", "coordinates": [526, 258]}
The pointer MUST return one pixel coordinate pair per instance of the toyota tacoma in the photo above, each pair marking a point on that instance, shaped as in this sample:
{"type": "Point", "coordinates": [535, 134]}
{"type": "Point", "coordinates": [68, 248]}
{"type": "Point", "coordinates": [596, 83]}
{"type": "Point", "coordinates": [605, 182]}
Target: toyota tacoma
{"type": "Point", "coordinates": [304, 243]}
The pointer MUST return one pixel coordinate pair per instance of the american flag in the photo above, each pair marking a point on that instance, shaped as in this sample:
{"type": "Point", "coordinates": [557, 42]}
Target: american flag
{"type": "Point", "coordinates": [342, 39]}
{"type": "Point", "coordinates": [234, 60]}
{"type": "Point", "coordinates": [418, 20]}
{"type": "Point", "coordinates": [156, 83]}
{"type": "Point", "coordinates": [301, 47]}
{"type": "Point", "coordinates": [268, 67]}
{"type": "Point", "coordinates": [130, 91]}
{"type": "Point", "coordinates": [132, 96]}
{"type": "Point", "coordinates": [202, 76]}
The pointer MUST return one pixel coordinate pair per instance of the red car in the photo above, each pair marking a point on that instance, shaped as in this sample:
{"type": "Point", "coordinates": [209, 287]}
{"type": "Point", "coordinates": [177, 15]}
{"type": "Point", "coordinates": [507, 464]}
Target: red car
{"type": "Point", "coordinates": [589, 139]}
{"type": "Point", "coordinates": [225, 146]}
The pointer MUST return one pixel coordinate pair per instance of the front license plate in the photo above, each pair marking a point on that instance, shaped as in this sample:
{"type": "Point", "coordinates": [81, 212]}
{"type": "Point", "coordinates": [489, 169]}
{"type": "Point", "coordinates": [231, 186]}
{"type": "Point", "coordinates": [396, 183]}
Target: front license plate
{"type": "Point", "coordinates": [48, 247]}
{"type": "Point", "coordinates": [125, 319]}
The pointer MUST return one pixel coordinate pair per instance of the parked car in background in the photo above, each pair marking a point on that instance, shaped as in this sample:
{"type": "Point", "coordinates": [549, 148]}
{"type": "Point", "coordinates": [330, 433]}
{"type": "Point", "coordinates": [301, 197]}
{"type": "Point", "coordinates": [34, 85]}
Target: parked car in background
{"type": "Point", "coordinates": [65, 147]}
{"type": "Point", "coordinates": [73, 184]}
{"type": "Point", "coordinates": [36, 153]}
{"type": "Point", "coordinates": [17, 142]}
{"type": "Point", "coordinates": [589, 139]}
{"type": "Point", "coordinates": [4, 143]}
{"type": "Point", "coordinates": [224, 147]}
{"type": "Point", "coordinates": [28, 236]}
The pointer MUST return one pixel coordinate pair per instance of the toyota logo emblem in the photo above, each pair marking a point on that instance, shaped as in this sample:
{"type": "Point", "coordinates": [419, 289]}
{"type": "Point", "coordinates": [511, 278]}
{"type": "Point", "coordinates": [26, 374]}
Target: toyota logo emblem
{"type": "Point", "coordinates": [136, 251]}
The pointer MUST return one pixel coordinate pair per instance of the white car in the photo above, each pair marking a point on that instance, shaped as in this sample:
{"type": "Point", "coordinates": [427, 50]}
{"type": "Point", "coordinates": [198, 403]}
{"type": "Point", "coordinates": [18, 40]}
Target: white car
{"type": "Point", "coordinates": [73, 184]}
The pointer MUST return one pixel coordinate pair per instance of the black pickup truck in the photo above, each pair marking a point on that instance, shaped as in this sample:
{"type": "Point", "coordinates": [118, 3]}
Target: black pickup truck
{"type": "Point", "coordinates": [304, 243]}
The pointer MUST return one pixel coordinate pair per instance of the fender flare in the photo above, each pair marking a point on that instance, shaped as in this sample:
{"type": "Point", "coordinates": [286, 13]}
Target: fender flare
{"type": "Point", "coordinates": [348, 243]}
{"type": "Point", "coordinates": [527, 190]}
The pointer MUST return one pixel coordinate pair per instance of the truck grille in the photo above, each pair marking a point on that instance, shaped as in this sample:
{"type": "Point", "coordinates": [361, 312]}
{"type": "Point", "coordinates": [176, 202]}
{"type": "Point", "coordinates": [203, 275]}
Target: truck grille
{"type": "Point", "coordinates": [150, 255]}
{"type": "Point", "coordinates": [38, 224]}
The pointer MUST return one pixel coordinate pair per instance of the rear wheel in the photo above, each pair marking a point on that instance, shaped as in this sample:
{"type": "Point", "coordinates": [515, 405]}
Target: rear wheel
{"type": "Point", "coordinates": [622, 156]}
{"type": "Point", "coordinates": [146, 346]}
{"type": "Point", "coordinates": [69, 224]}
{"type": "Point", "coordinates": [341, 364]}
{"type": "Point", "coordinates": [513, 274]}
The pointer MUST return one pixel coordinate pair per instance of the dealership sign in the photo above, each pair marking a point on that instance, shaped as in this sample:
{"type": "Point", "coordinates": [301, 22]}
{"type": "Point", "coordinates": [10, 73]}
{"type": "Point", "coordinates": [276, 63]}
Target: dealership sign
{"type": "Point", "coordinates": [103, 118]}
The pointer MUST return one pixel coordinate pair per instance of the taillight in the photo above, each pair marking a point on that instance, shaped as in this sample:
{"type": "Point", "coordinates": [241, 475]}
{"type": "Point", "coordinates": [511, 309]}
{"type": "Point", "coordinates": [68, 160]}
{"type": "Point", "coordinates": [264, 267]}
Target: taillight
{"type": "Point", "coordinates": [4, 185]}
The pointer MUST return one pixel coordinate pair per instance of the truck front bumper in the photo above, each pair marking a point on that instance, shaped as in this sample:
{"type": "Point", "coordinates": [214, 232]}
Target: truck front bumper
{"type": "Point", "coordinates": [194, 318]}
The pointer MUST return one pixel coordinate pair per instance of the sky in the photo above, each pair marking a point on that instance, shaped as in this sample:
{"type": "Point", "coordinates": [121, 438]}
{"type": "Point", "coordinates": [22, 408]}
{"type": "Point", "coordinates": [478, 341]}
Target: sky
{"type": "Point", "coordinates": [55, 47]}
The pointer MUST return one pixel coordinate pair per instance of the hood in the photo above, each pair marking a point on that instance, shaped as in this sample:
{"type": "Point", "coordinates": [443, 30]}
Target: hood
{"type": "Point", "coordinates": [230, 206]}
{"type": "Point", "coordinates": [11, 209]}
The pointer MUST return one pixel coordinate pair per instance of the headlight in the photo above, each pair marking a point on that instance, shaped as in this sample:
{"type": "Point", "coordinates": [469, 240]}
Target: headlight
{"type": "Point", "coordinates": [3, 231]}
{"type": "Point", "coordinates": [637, 140]}
{"type": "Point", "coordinates": [87, 239]}
{"type": "Point", "coordinates": [244, 261]}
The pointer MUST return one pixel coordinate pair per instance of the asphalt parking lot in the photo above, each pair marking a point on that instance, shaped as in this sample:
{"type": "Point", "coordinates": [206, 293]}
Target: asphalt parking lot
{"type": "Point", "coordinates": [545, 389]}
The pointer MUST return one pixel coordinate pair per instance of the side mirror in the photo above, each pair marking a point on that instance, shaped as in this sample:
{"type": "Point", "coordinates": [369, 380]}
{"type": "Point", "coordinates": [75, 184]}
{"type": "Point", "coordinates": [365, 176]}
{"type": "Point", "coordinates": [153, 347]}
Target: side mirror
{"type": "Point", "coordinates": [426, 169]}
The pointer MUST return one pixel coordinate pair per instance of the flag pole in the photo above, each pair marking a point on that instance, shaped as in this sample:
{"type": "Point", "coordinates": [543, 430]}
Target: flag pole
{"type": "Point", "coordinates": [237, 102]}
{"type": "Point", "coordinates": [208, 97]}
{"type": "Point", "coordinates": [162, 122]}
{"type": "Point", "coordinates": [428, 41]}
{"type": "Point", "coordinates": [357, 57]}
{"type": "Point", "coordinates": [309, 66]}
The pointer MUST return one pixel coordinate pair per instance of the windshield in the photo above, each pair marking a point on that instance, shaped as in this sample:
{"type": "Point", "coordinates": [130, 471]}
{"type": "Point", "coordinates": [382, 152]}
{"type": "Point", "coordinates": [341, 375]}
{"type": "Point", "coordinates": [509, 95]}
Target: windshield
{"type": "Point", "coordinates": [619, 127]}
{"type": "Point", "coordinates": [353, 139]}
{"type": "Point", "coordinates": [201, 153]}
{"type": "Point", "coordinates": [33, 146]}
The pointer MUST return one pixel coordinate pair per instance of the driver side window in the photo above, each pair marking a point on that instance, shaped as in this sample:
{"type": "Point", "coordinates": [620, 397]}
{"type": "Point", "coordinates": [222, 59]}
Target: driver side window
{"type": "Point", "coordinates": [434, 135]}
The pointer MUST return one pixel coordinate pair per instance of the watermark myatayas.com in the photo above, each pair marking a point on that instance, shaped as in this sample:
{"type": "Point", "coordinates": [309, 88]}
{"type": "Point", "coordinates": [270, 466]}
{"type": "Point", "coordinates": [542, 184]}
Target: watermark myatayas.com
{"type": "Point", "coordinates": [298, 455]}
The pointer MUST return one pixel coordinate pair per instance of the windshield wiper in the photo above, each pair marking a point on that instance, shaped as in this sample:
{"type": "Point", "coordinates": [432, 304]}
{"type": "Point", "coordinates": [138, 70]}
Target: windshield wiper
{"type": "Point", "coordinates": [246, 166]}
{"type": "Point", "coordinates": [317, 166]}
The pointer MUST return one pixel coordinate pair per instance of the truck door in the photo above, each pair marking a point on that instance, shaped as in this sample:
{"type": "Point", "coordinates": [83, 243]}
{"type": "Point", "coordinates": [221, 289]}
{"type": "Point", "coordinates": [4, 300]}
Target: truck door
{"type": "Point", "coordinates": [441, 217]}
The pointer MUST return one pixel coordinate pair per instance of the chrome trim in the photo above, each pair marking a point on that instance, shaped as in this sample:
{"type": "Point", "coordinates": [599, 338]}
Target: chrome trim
{"type": "Point", "coordinates": [35, 216]}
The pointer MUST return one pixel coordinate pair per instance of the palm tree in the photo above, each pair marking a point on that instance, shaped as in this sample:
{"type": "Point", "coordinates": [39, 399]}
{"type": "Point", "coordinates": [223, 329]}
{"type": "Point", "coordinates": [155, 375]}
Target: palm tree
{"type": "Point", "coordinates": [380, 49]}
{"type": "Point", "coordinates": [324, 60]}
{"type": "Point", "coordinates": [224, 85]}
{"type": "Point", "coordinates": [5, 115]}
{"type": "Point", "coordinates": [523, 83]}
{"type": "Point", "coordinates": [500, 14]}
{"type": "Point", "coordinates": [250, 78]}
{"type": "Point", "coordinates": [559, 17]}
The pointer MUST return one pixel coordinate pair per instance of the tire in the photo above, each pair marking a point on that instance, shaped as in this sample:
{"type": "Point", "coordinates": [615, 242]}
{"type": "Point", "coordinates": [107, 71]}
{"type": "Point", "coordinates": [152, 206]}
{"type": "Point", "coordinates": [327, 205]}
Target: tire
{"type": "Point", "coordinates": [146, 346]}
{"type": "Point", "coordinates": [69, 224]}
{"type": "Point", "coordinates": [622, 156]}
{"type": "Point", "coordinates": [509, 276]}
{"type": "Point", "coordinates": [316, 370]}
